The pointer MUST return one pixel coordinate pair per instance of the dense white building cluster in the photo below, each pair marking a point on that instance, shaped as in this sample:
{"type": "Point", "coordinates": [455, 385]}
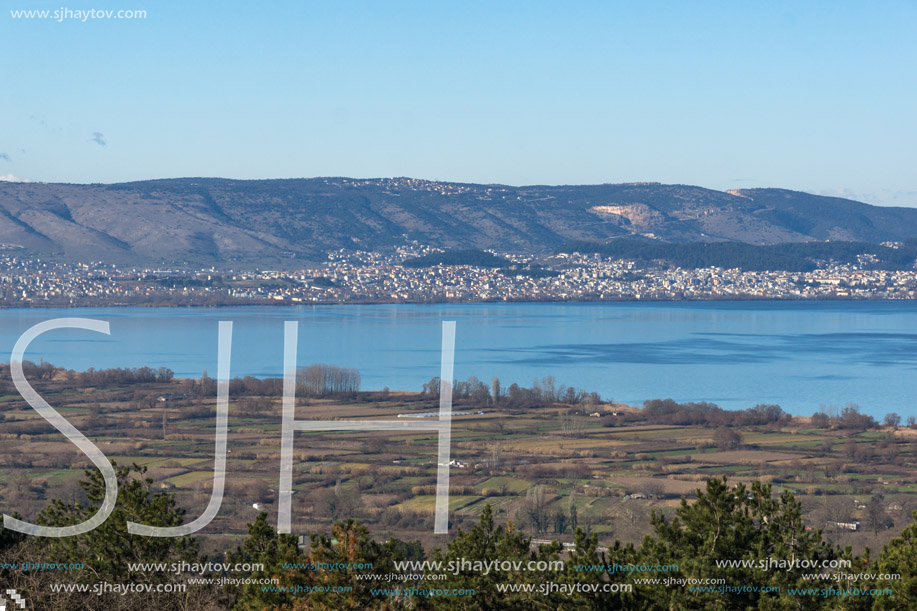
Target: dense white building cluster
{"type": "Point", "coordinates": [366, 276]}
{"type": "Point", "coordinates": [359, 276]}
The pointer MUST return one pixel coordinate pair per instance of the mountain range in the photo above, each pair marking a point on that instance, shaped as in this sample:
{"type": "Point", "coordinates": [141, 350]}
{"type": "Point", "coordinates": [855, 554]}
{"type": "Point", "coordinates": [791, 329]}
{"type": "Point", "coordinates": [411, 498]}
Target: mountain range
{"type": "Point", "coordinates": [289, 222]}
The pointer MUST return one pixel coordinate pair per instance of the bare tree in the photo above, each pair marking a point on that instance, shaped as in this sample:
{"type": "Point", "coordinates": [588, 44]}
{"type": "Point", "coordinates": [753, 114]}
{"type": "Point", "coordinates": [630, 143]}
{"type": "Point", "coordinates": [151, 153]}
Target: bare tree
{"type": "Point", "coordinates": [495, 390]}
{"type": "Point", "coordinates": [495, 456]}
{"type": "Point", "coordinates": [892, 420]}
{"type": "Point", "coordinates": [336, 503]}
{"type": "Point", "coordinates": [536, 508]}
{"type": "Point", "coordinates": [834, 510]}
{"type": "Point", "coordinates": [572, 425]}
{"type": "Point", "coordinates": [322, 379]}
{"type": "Point", "coordinates": [850, 449]}
{"type": "Point", "coordinates": [820, 420]}
{"type": "Point", "coordinates": [727, 439]}
{"type": "Point", "coordinates": [654, 489]}
{"type": "Point", "coordinates": [376, 444]}
{"type": "Point", "coordinates": [572, 510]}
{"type": "Point", "coordinates": [432, 387]}
{"type": "Point", "coordinates": [632, 518]}
{"type": "Point", "coordinates": [833, 469]}
{"type": "Point", "coordinates": [875, 516]}
{"type": "Point", "coordinates": [549, 389]}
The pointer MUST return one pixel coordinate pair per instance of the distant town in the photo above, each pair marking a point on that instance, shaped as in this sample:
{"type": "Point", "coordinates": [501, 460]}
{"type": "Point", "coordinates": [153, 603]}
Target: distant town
{"type": "Point", "coordinates": [354, 276]}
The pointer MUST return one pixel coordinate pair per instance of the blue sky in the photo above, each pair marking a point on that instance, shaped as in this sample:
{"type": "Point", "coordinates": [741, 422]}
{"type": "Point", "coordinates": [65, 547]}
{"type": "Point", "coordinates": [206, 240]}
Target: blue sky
{"type": "Point", "coordinates": [816, 96]}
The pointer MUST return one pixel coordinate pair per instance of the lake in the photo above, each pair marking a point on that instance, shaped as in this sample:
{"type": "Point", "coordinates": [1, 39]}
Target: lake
{"type": "Point", "coordinates": [736, 354]}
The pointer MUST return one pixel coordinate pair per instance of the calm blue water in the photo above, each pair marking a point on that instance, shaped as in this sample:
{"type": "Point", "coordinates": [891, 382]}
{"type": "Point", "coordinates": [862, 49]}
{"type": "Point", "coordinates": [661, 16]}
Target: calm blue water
{"type": "Point", "coordinates": [735, 354]}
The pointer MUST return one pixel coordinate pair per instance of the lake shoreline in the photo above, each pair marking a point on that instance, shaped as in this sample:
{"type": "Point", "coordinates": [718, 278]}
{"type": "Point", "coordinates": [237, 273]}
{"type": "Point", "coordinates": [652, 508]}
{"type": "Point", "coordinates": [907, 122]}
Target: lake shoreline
{"type": "Point", "coordinates": [278, 303]}
{"type": "Point", "coordinates": [798, 354]}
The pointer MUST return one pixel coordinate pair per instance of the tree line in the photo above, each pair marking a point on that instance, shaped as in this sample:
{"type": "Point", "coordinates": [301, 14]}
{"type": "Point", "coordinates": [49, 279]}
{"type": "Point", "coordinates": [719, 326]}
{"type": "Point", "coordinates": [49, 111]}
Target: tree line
{"type": "Point", "coordinates": [669, 411]}
{"type": "Point", "coordinates": [546, 391]}
{"type": "Point", "coordinates": [92, 377]}
{"type": "Point", "coordinates": [317, 380]}
{"type": "Point", "coordinates": [848, 418]}
{"type": "Point", "coordinates": [321, 379]}
{"type": "Point", "coordinates": [734, 536]}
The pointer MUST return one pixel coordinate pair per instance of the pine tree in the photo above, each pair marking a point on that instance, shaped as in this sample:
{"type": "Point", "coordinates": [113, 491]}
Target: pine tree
{"type": "Point", "coordinates": [271, 550]}
{"type": "Point", "coordinates": [735, 524]}
{"type": "Point", "coordinates": [899, 556]}
{"type": "Point", "coordinates": [107, 550]}
{"type": "Point", "coordinates": [487, 542]}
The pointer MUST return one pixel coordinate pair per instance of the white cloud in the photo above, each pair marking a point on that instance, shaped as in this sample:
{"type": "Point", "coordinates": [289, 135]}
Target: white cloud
{"type": "Point", "coordinates": [11, 178]}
